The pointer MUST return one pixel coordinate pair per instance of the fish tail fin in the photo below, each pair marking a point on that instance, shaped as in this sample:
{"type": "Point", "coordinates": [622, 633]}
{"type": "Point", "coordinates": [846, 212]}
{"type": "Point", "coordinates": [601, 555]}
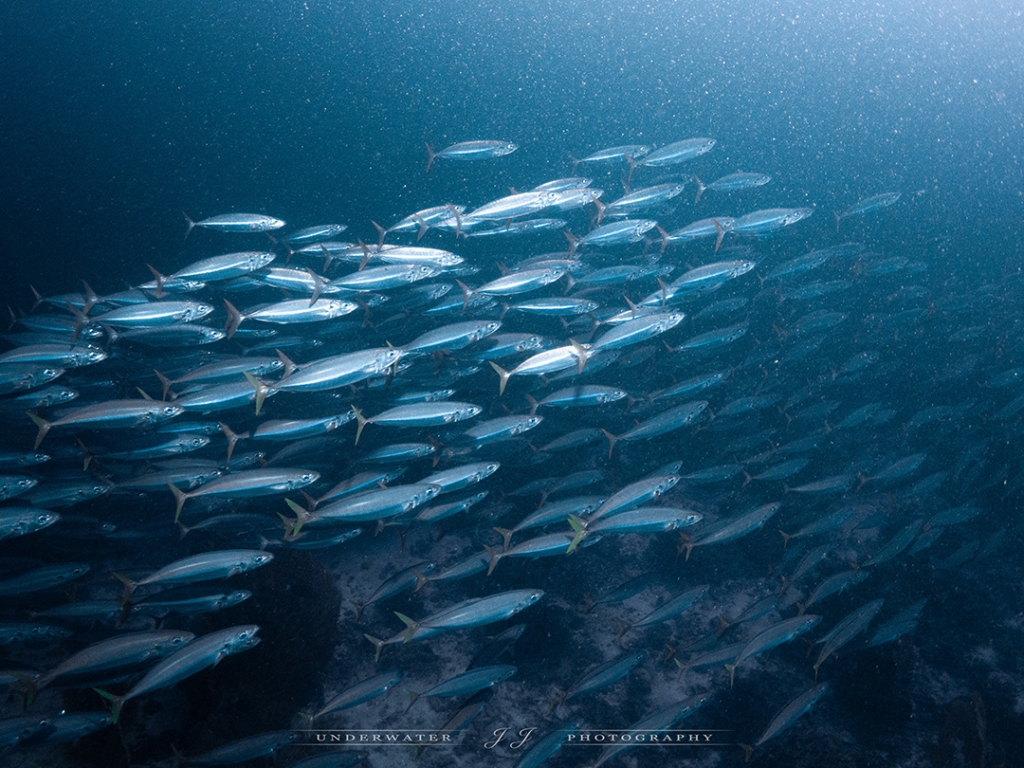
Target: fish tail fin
{"type": "Point", "coordinates": [721, 233]}
{"type": "Point", "coordinates": [360, 423]}
{"type": "Point", "coordinates": [732, 673]}
{"type": "Point", "coordinates": [37, 299]}
{"type": "Point", "coordinates": [165, 383]}
{"type": "Point", "coordinates": [232, 437]}
{"type": "Point", "coordinates": [573, 242]}
{"type": "Point", "coordinates": [378, 644]}
{"type": "Point", "coordinates": [261, 390]}
{"type": "Point", "coordinates": [458, 223]}
{"type": "Point", "coordinates": [81, 317]}
{"type": "Point", "coordinates": [577, 525]}
{"type": "Point", "coordinates": [91, 299]}
{"type": "Point", "coordinates": [191, 225]}
{"type": "Point", "coordinates": [160, 279]}
{"type": "Point", "coordinates": [87, 456]}
{"type": "Point", "coordinates": [685, 545]}
{"type": "Point", "coordinates": [412, 699]}
{"type": "Point", "coordinates": [358, 608]}
{"type": "Point", "coordinates": [747, 752]}
{"type": "Point", "coordinates": [506, 537]}
{"type": "Point", "coordinates": [557, 700]}
{"type": "Point", "coordinates": [785, 538]}
{"type": "Point", "coordinates": [179, 500]}
{"type": "Point", "coordinates": [44, 427]}
{"type": "Point", "coordinates": [611, 441]}
{"type": "Point", "coordinates": [624, 627]}
{"type": "Point", "coordinates": [129, 587]}
{"type": "Point", "coordinates": [533, 404]}
{"type": "Point", "coordinates": [838, 219]}
{"type": "Point", "coordinates": [366, 255]}
{"type": "Point", "coordinates": [410, 626]}
{"type": "Point", "coordinates": [289, 366]}
{"type": "Point", "coordinates": [700, 189]}
{"type": "Point", "coordinates": [581, 354]}
{"type": "Point", "coordinates": [682, 668]}
{"type": "Point", "coordinates": [301, 517]}
{"type": "Point", "coordinates": [503, 376]}
{"type": "Point", "coordinates": [234, 319]}
{"type": "Point", "coordinates": [664, 238]}
{"type": "Point", "coordinates": [430, 156]}
{"type": "Point", "coordinates": [600, 210]}
{"type": "Point", "coordinates": [29, 684]}
{"type": "Point", "coordinates": [467, 292]}
{"type": "Point", "coordinates": [495, 556]}
{"type": "Point", "coordinates": [723, 624]}
{"type": "Point", "coordinates": [116, 702]}
{"type": "Point", "coordinates": [318, 286]}
{"type": "Point", "coordinates": [380, 233]}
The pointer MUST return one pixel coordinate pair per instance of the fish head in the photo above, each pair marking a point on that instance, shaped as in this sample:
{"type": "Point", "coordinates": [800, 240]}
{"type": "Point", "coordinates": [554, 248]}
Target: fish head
{"type": "Point", "coordinates": [612, 396]}
{"type": "Point", "coordinates": [167, 411]}
{"type": "Point", "coordinates": [526, 424]}
{"type": "Point", "coordinates": [179, 639]}
{"type": "Point", "coordinates": [44, 519]}
{"type": "Point", "coordinates": [506, 149]}
{"type": "Point", "coordinates": [532, 597]}
{"type": "Point", "coordinates": [234, 598]}
{"type": "Point", "coordinates": [530, 344]}
{"type": "Point", "coordinates": [467, 413]}
{"type": "Point", "coordinates": [197, 310]}
{"type": "Point", "coordinates": [303, 479]}
{"type": "Point", "coordinates": [423, 271]}
{"type": "Point", "coordinates": [486, 329]}
{"type": "Point", "coordinates": [387, 357]}
{"type": "Point", "coordinates": [487, 470]}
{"type": "Point", "coordinates": [257, 560]}
{"type": "Point", "coordinates": [193, 443]}
{"type": "Point", "coordinates": [261, 259]}
{"type": "Point", "coordinates": [243, 636]}
{"type": "Point", "coordinates": [90, 355]}
{"type": "Point", "coordinates": [48, 374]}
{"type": "Point", "coordinates": [797, 214]}
{"type": "Point", "coordinates": [428, 493]}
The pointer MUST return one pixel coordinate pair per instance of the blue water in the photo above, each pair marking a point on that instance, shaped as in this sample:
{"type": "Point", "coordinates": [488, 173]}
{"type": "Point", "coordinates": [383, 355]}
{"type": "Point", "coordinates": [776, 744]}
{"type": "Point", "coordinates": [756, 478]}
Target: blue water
{"type": "Point", "coordinates": [115, 118]}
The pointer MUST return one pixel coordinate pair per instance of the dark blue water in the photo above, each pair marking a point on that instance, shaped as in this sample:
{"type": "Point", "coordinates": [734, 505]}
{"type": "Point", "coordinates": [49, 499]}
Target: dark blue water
{"type": "Point", "coordinates": [116, 119]}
